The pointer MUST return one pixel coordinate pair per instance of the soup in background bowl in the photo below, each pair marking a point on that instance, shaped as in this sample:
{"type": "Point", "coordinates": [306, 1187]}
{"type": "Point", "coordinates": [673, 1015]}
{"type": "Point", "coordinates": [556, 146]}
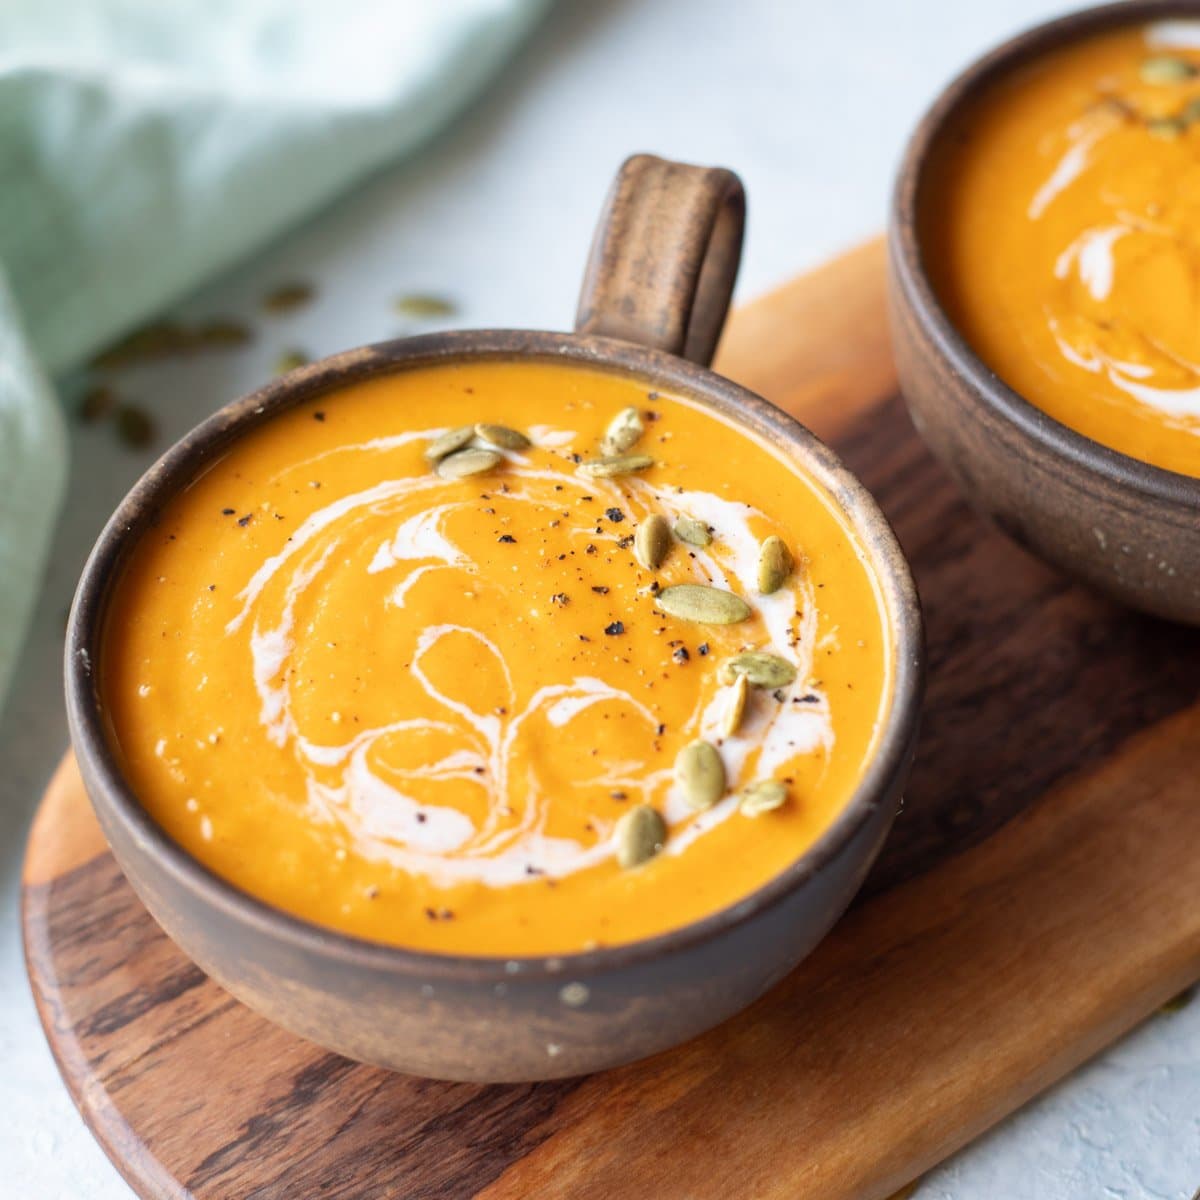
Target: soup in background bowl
{"type": "Point", "coordinates": [1043, 295]}
{"type": "Point", "coordinates": [504, 705]}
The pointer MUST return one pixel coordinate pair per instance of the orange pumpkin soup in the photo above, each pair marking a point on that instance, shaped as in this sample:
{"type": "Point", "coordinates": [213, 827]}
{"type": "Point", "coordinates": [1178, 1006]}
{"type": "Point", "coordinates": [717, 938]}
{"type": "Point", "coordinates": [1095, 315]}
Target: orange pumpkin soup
{"type": "Point", "coordinates": [1061, 220]}
{"type": "Point", "coordinates": [571, 682]}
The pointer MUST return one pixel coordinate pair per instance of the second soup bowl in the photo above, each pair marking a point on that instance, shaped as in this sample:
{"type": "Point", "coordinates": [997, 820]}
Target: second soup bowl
{"type": "Point", "coordinates": [654, 301]}
{"type": "Point", "coordinates": [1124, 526]}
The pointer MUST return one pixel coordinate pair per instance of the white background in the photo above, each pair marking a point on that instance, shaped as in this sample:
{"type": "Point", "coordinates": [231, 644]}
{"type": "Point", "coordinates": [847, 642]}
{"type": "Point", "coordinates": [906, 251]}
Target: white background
{"type": "Point", "coordinates": [810, 103]}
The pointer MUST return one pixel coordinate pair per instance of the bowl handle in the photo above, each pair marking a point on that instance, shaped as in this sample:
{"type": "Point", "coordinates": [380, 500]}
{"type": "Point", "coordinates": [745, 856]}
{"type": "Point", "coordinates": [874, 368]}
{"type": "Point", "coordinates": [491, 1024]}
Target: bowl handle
{"type": "Point", "coordinates": [664, 257]}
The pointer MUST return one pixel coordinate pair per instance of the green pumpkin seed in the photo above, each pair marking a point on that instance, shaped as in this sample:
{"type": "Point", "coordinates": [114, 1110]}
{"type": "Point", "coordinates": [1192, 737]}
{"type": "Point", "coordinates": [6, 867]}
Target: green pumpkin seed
{"type": "Point", "coordinates": [701, 774]}
{"type": "Point", "coordinates": [775, 564]}
{"type": "Point", "coordinates": [761, 669]}
{"type": "Point", "coordinates": [731, 722]}
{"type": "Point", "coordinates": [135, 426]}
{"type": "Point", "coordinates": [473, 461]}
{"type": "Point", "coordinates": [706, 605]}
{"type": "Point", "coordinates": [641, 833]}
{"type": "Point", "coordinates": [502, 436]}
{"type": "Point", "coordinates": [1191, 111]}
{"type": "Point", "coordinates": [424, 307]}
{"type": "Point", "coordinates": [695, 533]}
{"type": "Point", "coordinates": [448, 442]}
{"type": "Point", "coordinates": [613, 465]}
{"type": "Point", "coordinates": [763, 797]}
{"type": "Point", "coordinates": [623, 432]}
{"type": "Point", "coordinates": [291, 360]}
{"type": "Point", "coordinates": [1166, 68]}
{"type": "Point", "coordinates": [1166, 129]}
{"type": "Point", "coordinates": [652, 541]}
{"type": "Point", "coordinates": [288, 297]}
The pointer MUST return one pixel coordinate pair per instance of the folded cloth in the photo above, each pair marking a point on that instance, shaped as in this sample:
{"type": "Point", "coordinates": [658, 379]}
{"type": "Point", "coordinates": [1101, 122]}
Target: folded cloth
{"type": "Point", "coordinates": [147, 145]}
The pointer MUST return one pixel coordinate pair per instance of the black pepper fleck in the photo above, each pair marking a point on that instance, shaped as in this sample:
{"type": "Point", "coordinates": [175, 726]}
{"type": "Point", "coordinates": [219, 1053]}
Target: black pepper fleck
{"type": "Point", "coordinates": [615, 629]}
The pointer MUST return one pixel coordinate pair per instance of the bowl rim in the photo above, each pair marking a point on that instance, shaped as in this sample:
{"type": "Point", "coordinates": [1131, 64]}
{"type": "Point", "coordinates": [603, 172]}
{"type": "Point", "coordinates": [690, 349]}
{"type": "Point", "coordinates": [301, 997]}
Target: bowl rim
{"type": "Point", "coordinates": [208, 441]}
{"type": "Point", "coordinates": [907, 258]}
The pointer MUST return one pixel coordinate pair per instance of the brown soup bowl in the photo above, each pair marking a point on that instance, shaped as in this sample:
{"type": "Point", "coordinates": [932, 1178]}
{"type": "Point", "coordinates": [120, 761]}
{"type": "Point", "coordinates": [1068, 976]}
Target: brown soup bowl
{"type": "Point", "coordinates": [1125, 527]}
{"type": "Point", "coordinates": [654, 301]}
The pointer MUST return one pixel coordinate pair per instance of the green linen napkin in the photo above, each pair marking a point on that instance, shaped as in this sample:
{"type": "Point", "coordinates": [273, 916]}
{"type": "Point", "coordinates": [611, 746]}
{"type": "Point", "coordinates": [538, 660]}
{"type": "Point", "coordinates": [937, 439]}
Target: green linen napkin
{"type": "Point", "coordinates": [147, 144]}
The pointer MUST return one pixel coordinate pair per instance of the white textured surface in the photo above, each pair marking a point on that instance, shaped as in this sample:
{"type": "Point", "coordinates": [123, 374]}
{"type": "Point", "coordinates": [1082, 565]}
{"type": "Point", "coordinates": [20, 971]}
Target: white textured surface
{"type": "Point", "coordinates": [812, 111]}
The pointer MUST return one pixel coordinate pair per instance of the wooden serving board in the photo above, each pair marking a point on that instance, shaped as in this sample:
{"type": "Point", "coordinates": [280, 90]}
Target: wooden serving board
{"type": "Point", "coordinates": [1037, 898]}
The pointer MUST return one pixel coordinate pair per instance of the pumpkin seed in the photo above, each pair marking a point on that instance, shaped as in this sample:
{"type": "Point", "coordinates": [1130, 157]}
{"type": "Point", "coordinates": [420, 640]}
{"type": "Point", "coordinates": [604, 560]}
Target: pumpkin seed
{"type": "Point", "coordinates": [775, 564]}
{"type": "Point", "coordinates": [290, 360]}
{"type": "Point", "coordinates": [288, 297]}
{"type": "Point", "coordinates": [652, 541]}
{"type": "Point", "coordinates": [623, 432]}
{"type": "Point", "coordinates": [1166, 68]}
{"type": "Point", "coordinates": [135, 427]}
{"type": "Point", "coordinates": [1191, 110]}
{"type": "Point", "coordinates": [424, 307]}
{"type": "Point", "coordinates": [762, 797]}
{"type": "Point", "coordinates": [616, 464]}
{"type": "Point", "coordinates": [473, 461]}
{"type": "Point", "coordinates": [701, 773]}
{"type": "Point", "coordinates": [641, 834]}
{"type": "Point", "coordinates": [731, 722]}
{"type": "Point", "coordinates": [448, 442]}
{"type": "Point", "coordinates": [706, 605]}
{"type": "Point", "coordinates": [97, 402]}
{"type": "Point", "coordinates": [502, 436]}
{"type": "Point", "coordinates": [1167, 129]}
{"type": "Point", "coordinates": [695, 533]}
{"type": "Point", "coordinates": [760, 669]}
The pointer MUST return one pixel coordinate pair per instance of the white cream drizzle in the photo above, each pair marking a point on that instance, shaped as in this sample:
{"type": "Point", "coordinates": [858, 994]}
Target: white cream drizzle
{"type": "Point", "coordinates": [379, 818]}
{"type": "Point", "coordinates": [1091, 260]}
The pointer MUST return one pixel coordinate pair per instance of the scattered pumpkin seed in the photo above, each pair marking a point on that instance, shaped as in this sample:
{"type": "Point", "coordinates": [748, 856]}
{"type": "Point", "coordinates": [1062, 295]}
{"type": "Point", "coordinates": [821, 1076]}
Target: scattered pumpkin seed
{"type": "Point", "coordinates": [735, 709]}
{"type": "Point", "coordinates": [448, 442]}
{"type": "Point", "coordinates": [1191, 111]}
{"type": "Point", "coordinates": [652, 541]}
{"type": "Point", "coordinates": [613, 465]}
{"type": "Point", "coordinates": [775, 563]}
{"type": "Point", "coordinates": [761, 669]}
{"type": "Point", "coordinates": [97, 402]}
{"type": "Point", "coordinates": [1166, 68]}
{"type": "Point", "coordinates": [424, 306]}
{"type": "Point", "coordinates": [288, 296]}
{"type": "Point", "coordinates": [134, 426]}
{"type": "Point", "coordinates": [641, 833]}
{"type": "Point", "coordinates": [167, 339]}
{"type": "Point", "coordinates": [472, 461]}
{"type": "Point", "coordinates": [222, 332]}
{"type": "Point", "coordinates": [502, 436]}
{"type": "Point", "coordinates": [706, 605]}
{"type": "Point", "coordinates": [1167, 129]}
{"type": "Point", "coordinates": [289, 360]}
{"type": "Point", "coordinates": [695, 533]}
{"type": "Point", "coordinates": [623, 432]}
{"type": "Point", "coordinates": [701, 773]}
{"type": "Point", "coordinates": [762, 797]}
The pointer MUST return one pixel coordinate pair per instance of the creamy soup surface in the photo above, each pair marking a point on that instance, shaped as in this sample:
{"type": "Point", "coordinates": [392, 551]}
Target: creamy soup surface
{"type": "Point", "coordinates": [441, 712]}
{"type": "Point", "coordinates": [1061, 221]}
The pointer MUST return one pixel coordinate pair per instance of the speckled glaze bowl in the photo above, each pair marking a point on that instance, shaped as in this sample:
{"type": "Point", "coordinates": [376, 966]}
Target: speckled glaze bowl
{"type": "Point", "coordinates": [661, 274]}
{"type": "Point", "coordinates": [1127, 528]}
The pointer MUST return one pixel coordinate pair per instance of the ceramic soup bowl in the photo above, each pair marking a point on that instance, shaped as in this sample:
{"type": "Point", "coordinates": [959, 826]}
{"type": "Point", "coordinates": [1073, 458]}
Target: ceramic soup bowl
{"type": "Point", "coordinates": [1129, 529]}
{"type": "Point", "coordinates": [654, 300]}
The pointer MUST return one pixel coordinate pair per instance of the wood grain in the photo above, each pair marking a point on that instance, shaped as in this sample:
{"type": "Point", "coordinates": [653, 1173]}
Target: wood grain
{"type": "Point", "coordinates": [1035, 900]}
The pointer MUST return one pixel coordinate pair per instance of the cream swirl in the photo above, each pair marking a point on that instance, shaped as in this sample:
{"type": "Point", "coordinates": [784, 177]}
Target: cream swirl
{"type": "Point", "coordinates": [383, 785]}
